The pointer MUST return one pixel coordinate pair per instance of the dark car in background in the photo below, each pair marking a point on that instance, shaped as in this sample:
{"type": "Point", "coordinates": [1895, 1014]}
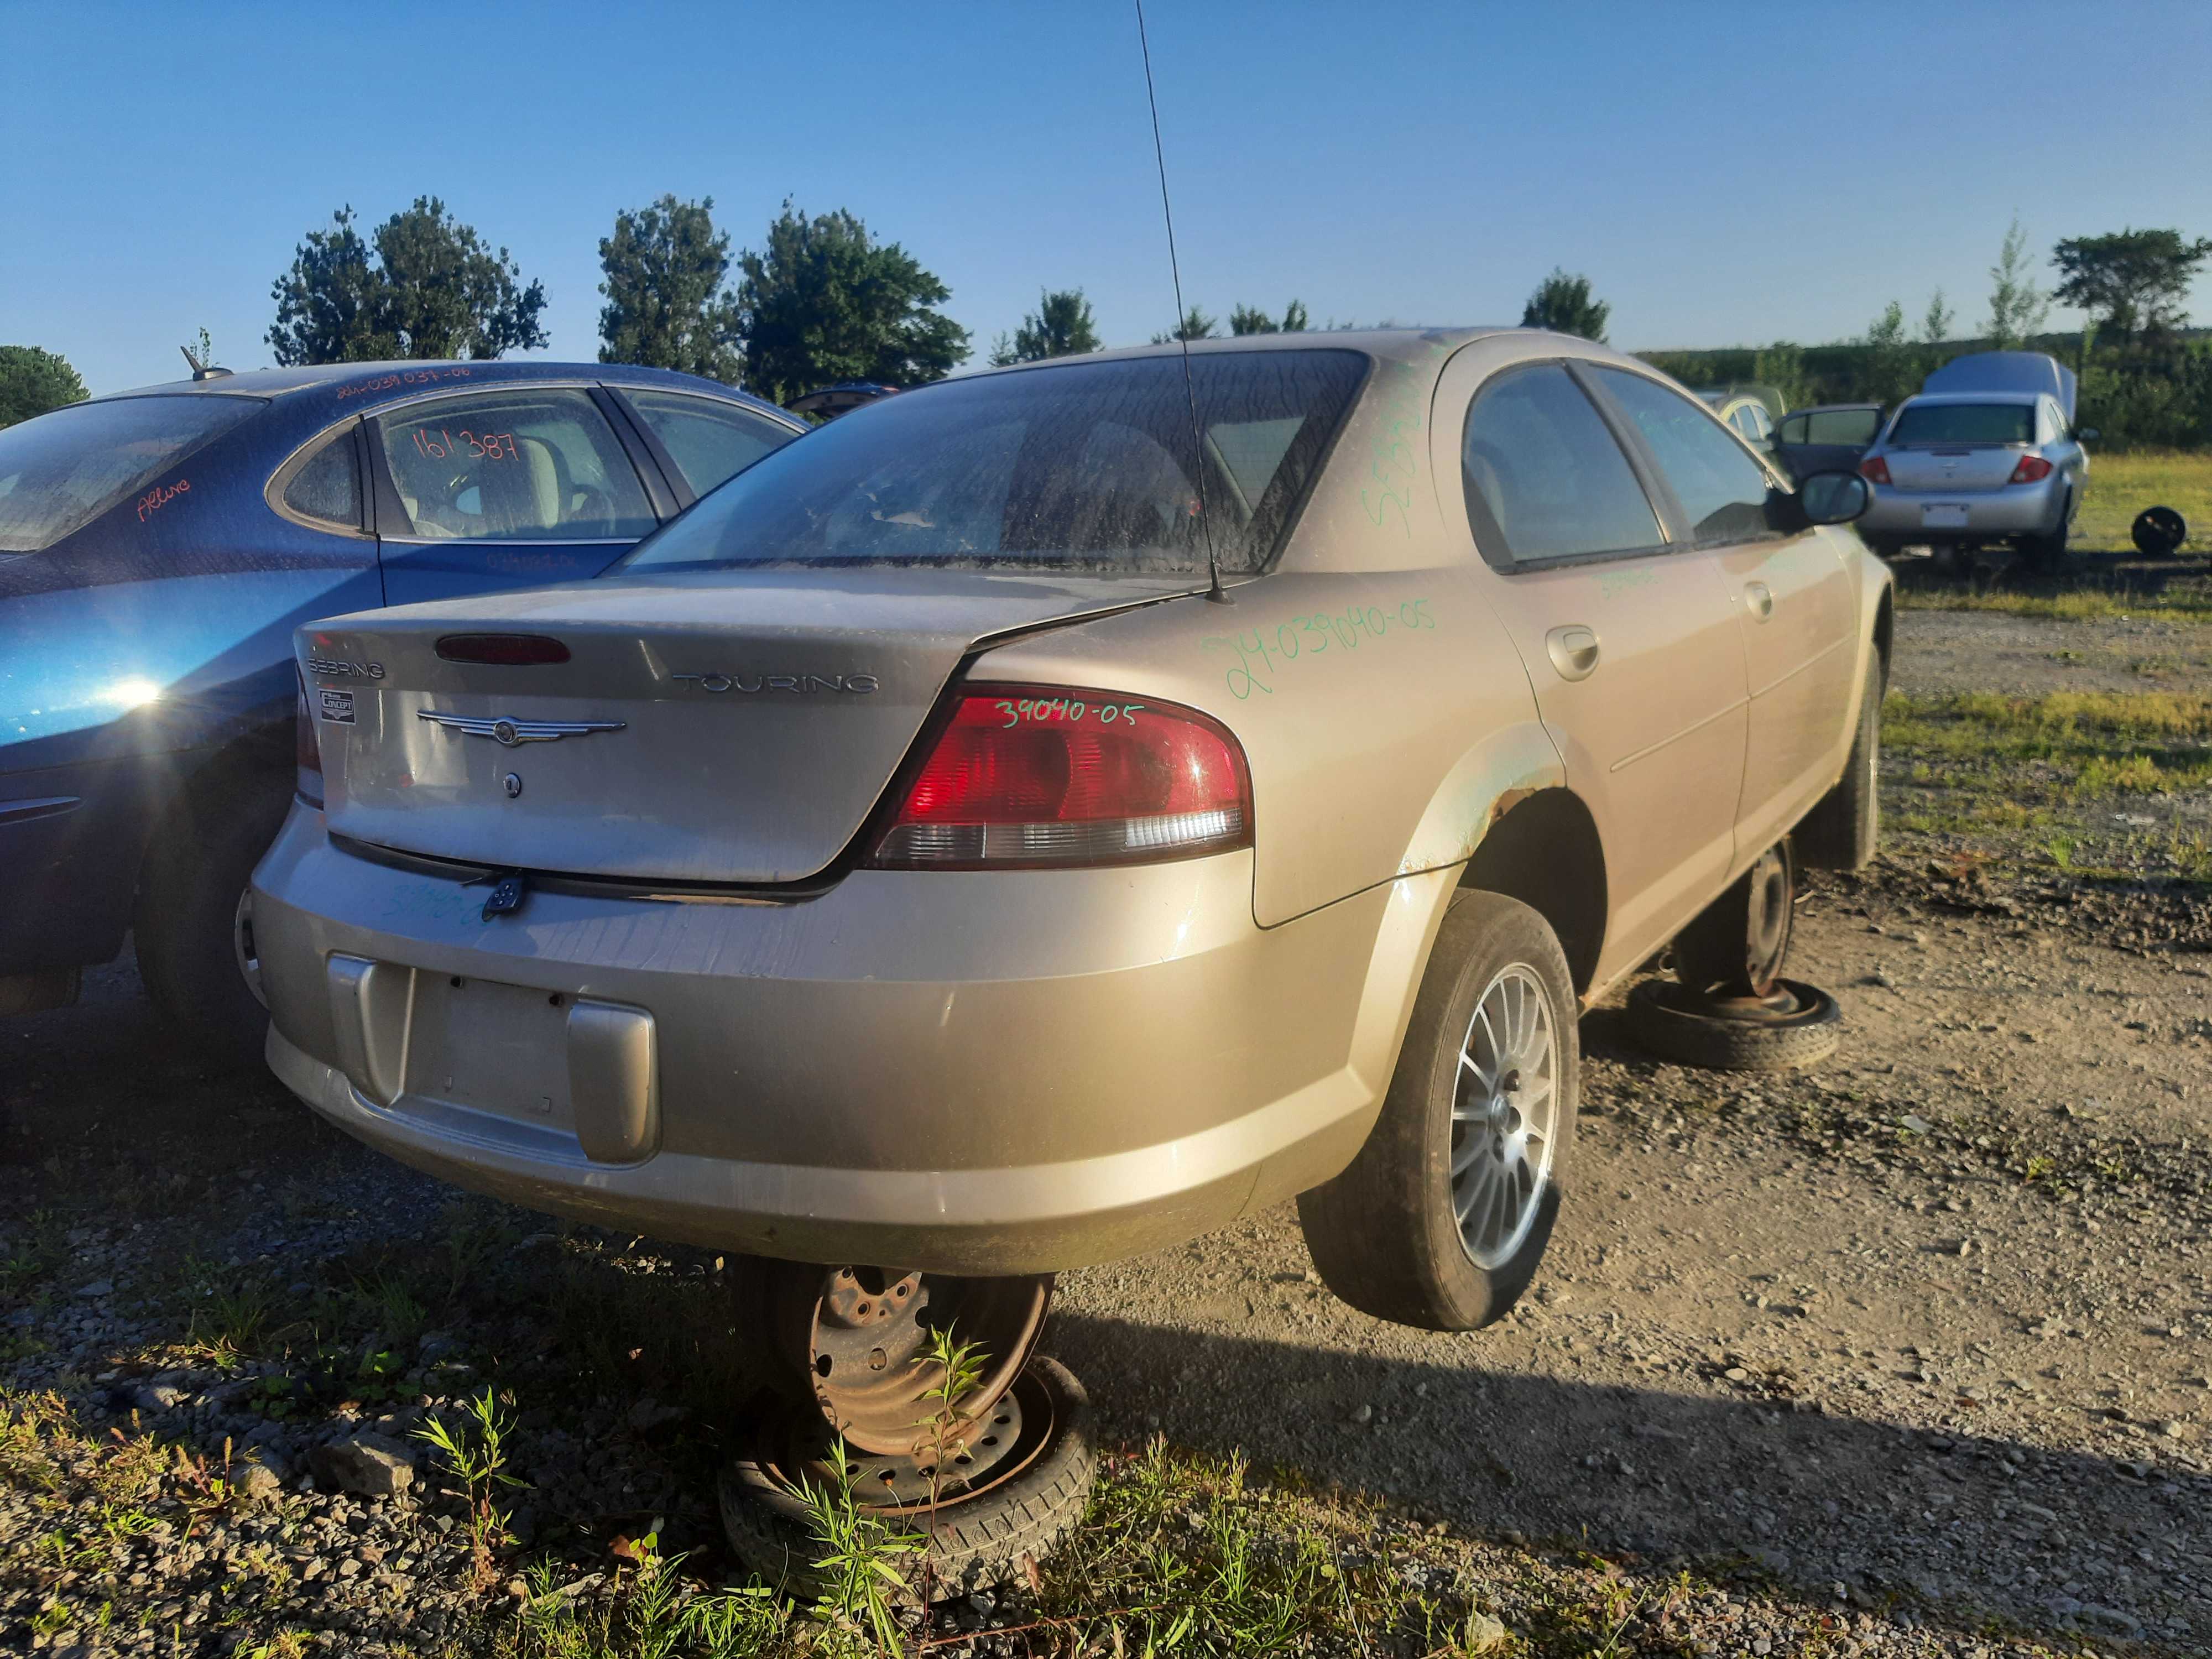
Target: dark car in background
{"type": "Point", "coordinates": [1826, 437]}
{"type": "Point", "coordinates": [157, 548]}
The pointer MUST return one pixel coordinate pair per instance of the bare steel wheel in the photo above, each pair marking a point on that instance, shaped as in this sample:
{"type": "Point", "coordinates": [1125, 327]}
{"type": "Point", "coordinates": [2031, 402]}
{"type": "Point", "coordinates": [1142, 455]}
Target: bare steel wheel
{"type": "Point", "coordinates": [1502, 1132]}
{"type": "Point", "coordinates": [852, 1343]}
{"type": "Point", "coordinates": [1738, 943]}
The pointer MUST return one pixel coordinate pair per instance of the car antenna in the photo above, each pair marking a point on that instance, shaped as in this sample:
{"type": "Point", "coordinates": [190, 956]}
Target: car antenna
{"type": "Point", "coordinates": [1214, 590]}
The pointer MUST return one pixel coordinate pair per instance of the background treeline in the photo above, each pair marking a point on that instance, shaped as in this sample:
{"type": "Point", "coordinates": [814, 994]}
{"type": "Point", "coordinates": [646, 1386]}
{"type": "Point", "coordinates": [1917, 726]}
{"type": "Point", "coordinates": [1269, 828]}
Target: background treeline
{"type": "Point", "coordinates": [820, 299]}
{"type": "Point", "coordinates": [2138, 394]}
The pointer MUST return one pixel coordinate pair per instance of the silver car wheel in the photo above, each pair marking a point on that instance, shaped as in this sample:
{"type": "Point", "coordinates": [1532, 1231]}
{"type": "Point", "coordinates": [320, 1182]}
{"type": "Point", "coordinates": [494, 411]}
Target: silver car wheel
{"type": "Point", "coordinates": [1504, 1114]}
{"type": "Point", "coordinates": [242, 945]}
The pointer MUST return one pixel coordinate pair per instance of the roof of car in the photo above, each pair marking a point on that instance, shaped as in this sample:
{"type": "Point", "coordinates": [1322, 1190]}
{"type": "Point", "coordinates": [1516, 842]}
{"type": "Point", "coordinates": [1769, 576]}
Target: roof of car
{"type": "Point", "coordinates": [277, 382]}
{"type": "Point", "coordinates": [1395, 344]}
{"type": "Point", "coordinates": [1995, 395]}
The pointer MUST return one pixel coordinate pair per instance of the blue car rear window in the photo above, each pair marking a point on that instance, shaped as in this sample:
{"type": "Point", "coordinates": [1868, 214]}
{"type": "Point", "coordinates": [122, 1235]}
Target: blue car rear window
{"type": "Point", "coordinates": [62, 469]}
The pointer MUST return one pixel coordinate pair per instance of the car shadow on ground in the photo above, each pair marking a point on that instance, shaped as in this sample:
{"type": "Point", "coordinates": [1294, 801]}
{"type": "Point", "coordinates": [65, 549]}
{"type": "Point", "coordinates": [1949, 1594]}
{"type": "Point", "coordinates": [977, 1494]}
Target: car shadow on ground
{"type": "Point", "coordinates": [1659, 1474]}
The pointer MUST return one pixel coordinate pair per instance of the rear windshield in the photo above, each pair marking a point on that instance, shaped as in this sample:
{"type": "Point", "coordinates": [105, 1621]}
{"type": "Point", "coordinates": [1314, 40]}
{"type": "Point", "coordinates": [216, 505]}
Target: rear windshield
{"type": "Point", "coordinates": [1841, 426]}
{"type": "Point", "coordinates": [1079, 465]}
{"type": "Point", "coordinates": [1964, 423]}
{"type": "Point", "coordinates": [62, 469]}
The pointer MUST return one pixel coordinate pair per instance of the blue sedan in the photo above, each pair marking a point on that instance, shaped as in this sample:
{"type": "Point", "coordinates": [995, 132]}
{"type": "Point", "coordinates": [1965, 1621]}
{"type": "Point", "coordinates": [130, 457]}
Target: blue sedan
{"type": "Point", "coordinates": [157, 548]}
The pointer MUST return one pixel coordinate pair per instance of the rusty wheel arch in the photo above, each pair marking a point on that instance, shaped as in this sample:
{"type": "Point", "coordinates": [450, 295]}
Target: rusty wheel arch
{"type": "Point", "coordinates": [1544, 851]}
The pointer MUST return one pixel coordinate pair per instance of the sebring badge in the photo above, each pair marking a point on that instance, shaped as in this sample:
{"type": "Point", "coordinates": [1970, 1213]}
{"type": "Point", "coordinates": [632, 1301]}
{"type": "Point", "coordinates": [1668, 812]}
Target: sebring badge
{"type": "Point", "coordinates": [337, 668]}
{"type": "Point", "coordinates": [508, 731]}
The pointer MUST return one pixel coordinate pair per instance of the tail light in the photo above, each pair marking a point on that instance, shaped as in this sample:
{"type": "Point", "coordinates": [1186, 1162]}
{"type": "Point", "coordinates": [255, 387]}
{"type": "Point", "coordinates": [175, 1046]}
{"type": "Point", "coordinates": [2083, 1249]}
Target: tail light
{"type": "Point", "coordinates": [1032, 777]}
{"type": "Point", "coordinates": [1874, 470]}
{"type": "Point", "coordinates": [307, 749]}
{"type": "Point", "coordinates": [2031, 468]}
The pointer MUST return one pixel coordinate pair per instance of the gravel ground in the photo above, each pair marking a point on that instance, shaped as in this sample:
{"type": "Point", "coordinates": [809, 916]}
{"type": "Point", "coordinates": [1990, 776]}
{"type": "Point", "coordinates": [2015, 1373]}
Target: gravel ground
{"type": "Point", "coordinates": [1951, 651]}
{"type": "Point", "coordinates": [1905, 1354]}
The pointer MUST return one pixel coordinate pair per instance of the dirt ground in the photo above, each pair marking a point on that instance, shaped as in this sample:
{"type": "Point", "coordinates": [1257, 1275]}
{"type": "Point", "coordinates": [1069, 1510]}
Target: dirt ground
{"type": "Point", "coordinates": [1922, 1335]}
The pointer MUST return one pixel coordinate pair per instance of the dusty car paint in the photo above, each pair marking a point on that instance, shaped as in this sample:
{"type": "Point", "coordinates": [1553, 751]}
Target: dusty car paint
{"type": "Point", "coordinates": [1009, 1072]}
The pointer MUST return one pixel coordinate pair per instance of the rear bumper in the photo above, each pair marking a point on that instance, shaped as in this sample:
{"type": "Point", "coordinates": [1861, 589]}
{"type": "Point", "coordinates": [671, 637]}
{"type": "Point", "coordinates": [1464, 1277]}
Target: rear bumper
{"type": "Point", "coordinates": [2030, 509]}
{"type": "Point", "coordinates": [983, 1073]}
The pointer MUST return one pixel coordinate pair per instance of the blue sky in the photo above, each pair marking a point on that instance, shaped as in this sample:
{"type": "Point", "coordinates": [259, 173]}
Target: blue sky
{"type": "Point", "coordinates": [1723, 173]}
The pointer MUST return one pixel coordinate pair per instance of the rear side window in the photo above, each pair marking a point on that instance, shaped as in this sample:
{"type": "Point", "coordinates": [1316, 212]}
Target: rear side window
{"type": "Point", "coordinates": [535, 465]}
{"type": "Point", "coordinates": [1540, 464]}
{"type": "Point", "coordinates": [1964, 423]}
{"type": "Point", "coordinates": [1793, 429]}
{"type": "Point", "coordinates": [326, 486]}
{"type": "Point", "coordinates": [1077, 464]}
{"type": "Point", "coordinates": [1842, 426]}
{"type": "Point", "coordinates": [1723, 489]}
{"type": "Point", "coordinates": [709, 441]}
{"type": "Point", "coordinates": [59, 471]}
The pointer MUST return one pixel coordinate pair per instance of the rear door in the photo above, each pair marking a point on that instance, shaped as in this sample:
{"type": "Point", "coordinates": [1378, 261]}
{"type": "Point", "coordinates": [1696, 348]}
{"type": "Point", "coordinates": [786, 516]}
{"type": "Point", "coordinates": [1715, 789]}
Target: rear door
{"type": "Point", "coordinates": [1628, 637]}
{"type": "Point", "coordinates": [1793, 594]}
{"type": "Point", "coordinates": [511, 488]}
{"type": "Point", "coordinates": [1825, 441]}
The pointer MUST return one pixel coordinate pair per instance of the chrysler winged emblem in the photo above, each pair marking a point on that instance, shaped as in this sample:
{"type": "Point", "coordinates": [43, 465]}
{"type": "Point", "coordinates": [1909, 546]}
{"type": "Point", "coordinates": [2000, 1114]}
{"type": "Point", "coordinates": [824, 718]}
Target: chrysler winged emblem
{"type": "Point", "coordinates": [507, 731]}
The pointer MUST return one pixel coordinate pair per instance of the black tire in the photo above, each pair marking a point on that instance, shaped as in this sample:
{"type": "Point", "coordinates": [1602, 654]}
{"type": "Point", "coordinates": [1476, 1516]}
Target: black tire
{"type": "Point", "coordinates": [2049, 552]}
{"type": "Point", "coordinates": [1676, 1024]}
{"type": "Point", "coordinates": [1384, 1233]}
{"type": "Point", "coordinates": [2158, 532]}
{"type": "Point", "coordinates": [1844, 830]}
{"type": "Point", "coordinates": [975, 1543]}
{"type": "Point", "coordinates": [188, 915]}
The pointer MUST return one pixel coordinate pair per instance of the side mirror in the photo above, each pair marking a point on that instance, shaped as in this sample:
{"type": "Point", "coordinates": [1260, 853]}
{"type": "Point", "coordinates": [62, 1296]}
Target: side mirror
{"type": "Point", "coordinates": [2087, 434]}
{"type": "Point", "coordinates": [1834, 497]}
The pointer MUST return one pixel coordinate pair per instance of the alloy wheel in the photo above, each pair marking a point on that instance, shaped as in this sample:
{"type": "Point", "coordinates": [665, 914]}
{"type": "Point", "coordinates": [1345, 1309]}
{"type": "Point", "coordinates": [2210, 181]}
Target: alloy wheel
{"type": "Point", "coordinates": [1504, 1116]}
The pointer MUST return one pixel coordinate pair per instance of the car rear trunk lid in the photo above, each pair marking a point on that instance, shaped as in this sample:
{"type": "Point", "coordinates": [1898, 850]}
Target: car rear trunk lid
{"type": "Point", "coordinates": [704, 728]}
{"type": "Point", "coordinates": [1961, 468]}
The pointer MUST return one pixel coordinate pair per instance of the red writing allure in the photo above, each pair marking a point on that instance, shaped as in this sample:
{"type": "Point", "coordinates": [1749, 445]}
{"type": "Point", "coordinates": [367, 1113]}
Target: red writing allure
{"type": "Point", "coordinates": [160, 496]}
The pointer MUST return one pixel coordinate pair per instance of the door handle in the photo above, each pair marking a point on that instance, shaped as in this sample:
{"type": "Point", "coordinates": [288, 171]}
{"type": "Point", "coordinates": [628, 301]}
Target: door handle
{"type": "Point", "coordinates": [1761, 598]}
{"type": "Point", "coordinates": [1573, 651]}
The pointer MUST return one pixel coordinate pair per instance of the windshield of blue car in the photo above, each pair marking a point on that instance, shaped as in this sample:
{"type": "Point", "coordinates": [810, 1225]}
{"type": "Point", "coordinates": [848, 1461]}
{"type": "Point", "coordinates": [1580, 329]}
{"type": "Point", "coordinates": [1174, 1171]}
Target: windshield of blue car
{"type": "Point", "coordinates": [60, 470]}
{"type": "Point", "coordinates": [1964, 423]}
{"type": "Point", "coordinates": [1079, 466]}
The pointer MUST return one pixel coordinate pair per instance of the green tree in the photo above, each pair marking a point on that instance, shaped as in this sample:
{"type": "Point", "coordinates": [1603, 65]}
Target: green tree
{"type": "Point", "coordinates": [667, 306]}
{"type": "Point", "coordinates": [1782, 366]}
{"type": "Point", "coordinates": [1196, 325]}
{"type": "Point", "coordinates": [825, 301]}
{"type": "Point", "coordinates": [1886, 374]}
{"type": "Point", "coordinates": [2017, 306]}
{"type": "Point", "coordinates": [2131, 281]}
{"type": "Point", "coordinates": [423, 285]}
{"type": "Point", "coordinates": [1060, 326]}
{"type": "Point", "coordinates": [1936, 322]}
{"type": "Point", "coordinates": [32, 381]}
{"type": "Point", "coordinates": [1563, 304]}
{"type": "Point", "coordinates": [1251, 319]}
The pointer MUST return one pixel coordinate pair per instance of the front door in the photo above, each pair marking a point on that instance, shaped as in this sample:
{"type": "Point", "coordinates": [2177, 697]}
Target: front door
{"type": "Point", "coordinates": [1791, 589]}
{"type": "Point", "coordinates": [507, 488]}
{"type": "Point", "coordinates": [1629, 640]}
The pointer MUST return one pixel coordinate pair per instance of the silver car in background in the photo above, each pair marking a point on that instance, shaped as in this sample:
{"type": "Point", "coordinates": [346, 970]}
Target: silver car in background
{"type": "Point", "coordinates": [1987, 453]}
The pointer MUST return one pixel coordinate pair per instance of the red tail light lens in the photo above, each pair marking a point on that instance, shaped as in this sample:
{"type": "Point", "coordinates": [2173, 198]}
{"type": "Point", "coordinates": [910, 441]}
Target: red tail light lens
{"type": "Point", "coordinates": [502, 650]}
{"type": "Point", "coordinates": [306, 751]}
{"type": "Point", "coordinates": [1874, 470]}
{"type": "Point", "coordinates": [1029, 777]}
{"type": "Point", "coordinates": [2031, 468]}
